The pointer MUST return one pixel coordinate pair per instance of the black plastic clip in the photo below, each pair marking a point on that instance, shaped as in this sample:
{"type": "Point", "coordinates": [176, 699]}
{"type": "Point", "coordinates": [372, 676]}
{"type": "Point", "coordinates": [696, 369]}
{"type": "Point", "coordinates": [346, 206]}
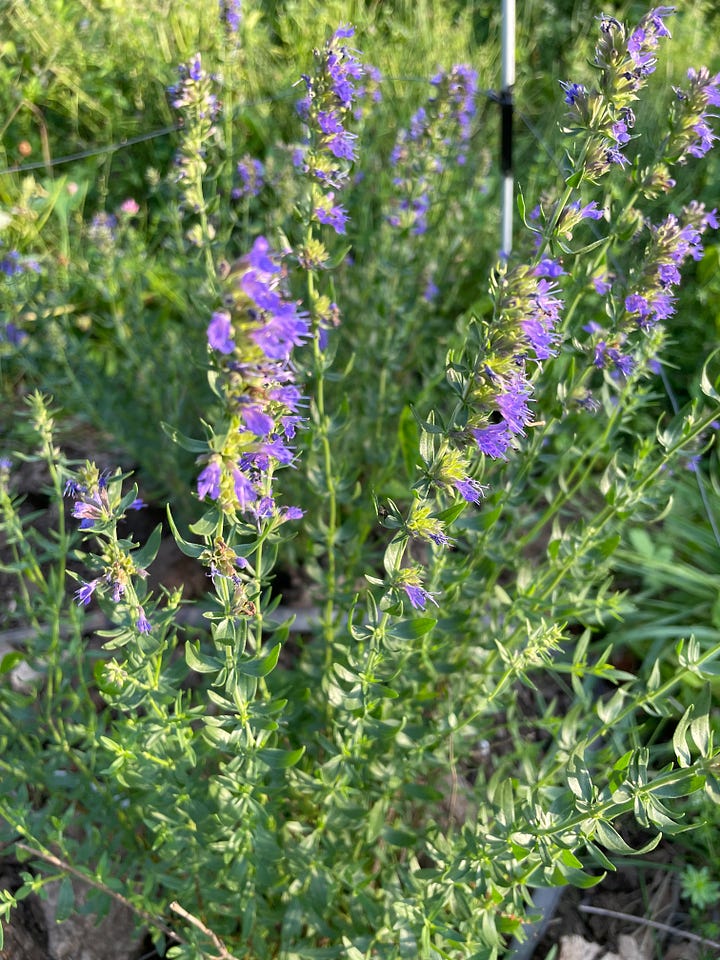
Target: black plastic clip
{"type": "Point", "coordinates": [507, 105]}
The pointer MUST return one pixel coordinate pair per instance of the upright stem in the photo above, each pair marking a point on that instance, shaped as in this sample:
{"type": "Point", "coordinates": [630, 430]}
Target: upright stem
{"type": "Point", "coordinates": [323, 425]}
{"type": "Point", "coordinates": [258, 559]}
{"type": "Point", "coordinates": [207, 249]}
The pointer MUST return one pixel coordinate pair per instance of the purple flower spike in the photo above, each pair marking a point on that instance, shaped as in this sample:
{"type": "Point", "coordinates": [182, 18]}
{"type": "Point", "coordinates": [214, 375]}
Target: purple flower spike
{"type": "Point", "coordinates": [549, 268]}
{"type": "Point", "coordinates": [219, 332]}
{"type": "Point", "coordinates": [602, 284]}
{"type": "Point", "coordinates": [84, 593]}
{"type": "Point", "coordinates": [231, 14]}
{"type": "Point", "coordinates": [265, 507]}
{"type": "Point", "coordinates": [418, 596]}
{"type": "Point", "coordinates": [637, 304]}
{"type": "Point", "coordinates": [513, 402]}
{"type": "Point", "coordinates": [493, 440]}
{"type": "Point", "coordinates": [336, 217]}
{"type": "Point", "coordinates": [591, 212]}
{"type": "Point", "coordinates": [208, 483]}
{"type": "Point", "coordinates": [259, 257]}
{"type": "Point", "coordinates": [195, 71]}
{"type": "Point", "coordinates": [613, 155]}
{"type": "Point", "coordinates": [573, 91]}
{"type": "Point", "coordinates": [470, 490]}
{"type": "Point", "coordinates": [244, 490]}
{"type": "Point", "coordinates": [256, 421]}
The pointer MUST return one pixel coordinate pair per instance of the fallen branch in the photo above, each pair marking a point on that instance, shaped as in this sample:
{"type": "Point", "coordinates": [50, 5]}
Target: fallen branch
{"type": "Point", "coordinates": [655, 924]}
{"type": "Point", "coordinates": [224, 954]}
{"type": "Point", "coordinates": [91, 882]}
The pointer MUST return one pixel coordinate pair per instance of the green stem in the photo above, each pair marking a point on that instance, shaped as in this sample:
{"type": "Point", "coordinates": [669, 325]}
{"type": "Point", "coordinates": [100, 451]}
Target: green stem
{"type": "Point", "coordinates": [571, 484]}
{"type": "Point", "coordinates": [544, 592]}
{"type": "Point", "coordinates": [323, 430]}
{"type": "Point", "coordinates": [611, 809]}
{"type": "Point", "coordinates": [207, 247]}
{"type": "Point", "coordinates": [610, 510]}
{"type": "Point", "coordinates": [258, 561]}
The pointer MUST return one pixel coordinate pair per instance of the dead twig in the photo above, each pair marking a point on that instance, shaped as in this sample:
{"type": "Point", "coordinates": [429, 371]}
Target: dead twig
{"type": "Point", "coordinates": [224, 953]}
{"type": "Point", "coordinates": [91, 882]}
{"type": "Point", "coordinates": [655, 924]}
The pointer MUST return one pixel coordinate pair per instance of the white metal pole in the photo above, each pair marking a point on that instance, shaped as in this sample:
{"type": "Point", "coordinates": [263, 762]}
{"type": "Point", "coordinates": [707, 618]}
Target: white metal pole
{"type": "Point", "coordinates": [506, 105]}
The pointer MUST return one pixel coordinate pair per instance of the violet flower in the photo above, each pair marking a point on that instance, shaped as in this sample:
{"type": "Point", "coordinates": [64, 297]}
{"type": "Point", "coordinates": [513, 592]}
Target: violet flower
{"type": "Point", "coordinates": [437, 138]}
{"type": "Point", "coordinates": [263, 326]}
{"type": "Point", "coordinates": [329, 150]}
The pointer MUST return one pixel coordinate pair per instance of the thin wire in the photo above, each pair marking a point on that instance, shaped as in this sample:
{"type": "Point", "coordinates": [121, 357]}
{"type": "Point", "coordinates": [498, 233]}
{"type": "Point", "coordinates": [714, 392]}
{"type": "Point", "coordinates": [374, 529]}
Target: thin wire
{"type": "Point", "coordinates": [92, 152]}
{"type": "Point", "coordinates": [164, 131]}
{"type": "Point", "coordinates": [541, 141]}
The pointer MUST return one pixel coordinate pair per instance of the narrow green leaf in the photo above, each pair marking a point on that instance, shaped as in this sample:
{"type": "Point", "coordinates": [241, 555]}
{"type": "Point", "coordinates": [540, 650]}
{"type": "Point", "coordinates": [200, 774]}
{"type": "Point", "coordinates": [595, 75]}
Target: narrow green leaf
{"type": "Point", "coordinates": [399, 838]}
{"type": "Point", "coordinates": [343, 673]}
{"type": "Point", "coordinates": [610, 709]}
{"type": "Point", "coordinates": [578, 778]}
{"type": "Point", "coordinates": [11, 660]}
{"type": "Point", "coordinates": [376, 820]}
{"type": "Point", "coordinates": [706, 385]}
{"type": "Point", "coordinates": [570, 860]}
{"type": "Point", "coordinates": [452, 513]}
{"type": "Point", "coordinates": [653, 681]}
{"type": "Point", "coordinates": [383, 729]}
{"type": "Point", "coordinates": [207, 525]}
{"type": "Point", "coordinates": [187, 443]}
{"type": "Point", "coordinates": [143, 557]}
{"type": "Point", "coordinates": [599, 857]}
{"type": "Point", "coordinates": [412, 629]}
{"type": "Point", "coordinates": [700, 723]}
{"type": "Point", "coordinates": [224, 632]}
{"type": "Point", "coordinates": [578, 878]}
{"type": "Point", "coordinates": [683, 788]}
{"type": "Point", "coordinates": [65, 901]}
{"type": "Point", "coordinates": [429, 425]}
{"type": "Point", "coordinates": [679, 739]}
{"type": "Point", "coordinates": [712, 788]}
{"type": "Point", "coordinates": [129, 498]}
{"type": "Point", "coordinates": [216, 736]}
{"type": "Point", "coordinates": [200, 662]}
{"type": "Point", "coordinates": [394, 554]}
{"type": "Point", "coordinates": [506, 801]}
{"type": "Point", "coordinates": [575, 180]}
{"type": "Point", "coordinates": [611, 839]}
{"type": "Point", "coordinates": [521, 206]}
{"type": "Point", "coordinates": [189, 549]}
{"type": "Point", "coordinates": [260, 666]}
{"type": "Point", "coordinates": [279, 759]}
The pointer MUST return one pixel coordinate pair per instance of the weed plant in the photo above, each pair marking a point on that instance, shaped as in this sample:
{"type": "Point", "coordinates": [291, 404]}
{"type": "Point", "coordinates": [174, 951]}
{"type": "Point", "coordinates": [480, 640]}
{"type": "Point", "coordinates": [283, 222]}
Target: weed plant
{"type": "Point", "coordinates": [285, 325]}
